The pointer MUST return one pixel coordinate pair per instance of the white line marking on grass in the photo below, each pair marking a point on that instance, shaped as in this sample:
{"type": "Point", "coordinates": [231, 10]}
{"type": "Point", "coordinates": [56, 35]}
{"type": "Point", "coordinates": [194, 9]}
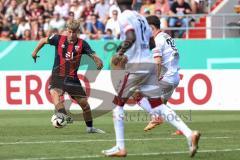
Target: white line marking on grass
{"type": "Point", "coordinates": [133, 154]}
{"type": "Point", "coordinates": [184, 152]}
{"type": "Point", "coordinates": [100, 140]}
{"type": "Point", "coordinates": [53, 158]}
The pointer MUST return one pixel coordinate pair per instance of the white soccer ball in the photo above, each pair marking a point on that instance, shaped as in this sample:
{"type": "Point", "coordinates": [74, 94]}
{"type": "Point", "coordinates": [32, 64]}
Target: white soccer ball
{"type": "Point", "coordinates": [59, 120]}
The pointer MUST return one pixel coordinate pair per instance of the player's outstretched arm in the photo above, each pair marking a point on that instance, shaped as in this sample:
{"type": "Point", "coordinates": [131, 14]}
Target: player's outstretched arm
{"type": "Point", "coordinates": [88, 51]}
{"type": "Point", "coordinates": [97, 61]}
{"type": "Point", "coordinates": [41, 43]}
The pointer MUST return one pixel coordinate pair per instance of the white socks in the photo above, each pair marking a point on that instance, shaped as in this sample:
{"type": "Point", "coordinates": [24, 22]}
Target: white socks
{"type": "Point", "coordinates": [118, 120]}
{"type": "Point", "coordinates": [163, 110]}
{"type": "Point", "coordinates": [170, 116]}
{"type": "Point", "coordinates": [144, 104]}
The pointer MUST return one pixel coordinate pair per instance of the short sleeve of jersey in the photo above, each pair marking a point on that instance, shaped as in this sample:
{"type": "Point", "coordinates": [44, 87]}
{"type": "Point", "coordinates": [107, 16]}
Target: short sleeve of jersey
{"type": "Point", "coordinates": [86, 48]}
{"type": "Point", "coordinates": [53, 39]}
{"type": "Point", "coordinates": [124, 23]}
{"type": "Point", "coordinates": [158, 50]}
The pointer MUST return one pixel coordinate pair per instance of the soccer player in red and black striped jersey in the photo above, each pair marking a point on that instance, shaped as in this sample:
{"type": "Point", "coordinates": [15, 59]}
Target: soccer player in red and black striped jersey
{"type": "Point", "coordinates": [68, 52]}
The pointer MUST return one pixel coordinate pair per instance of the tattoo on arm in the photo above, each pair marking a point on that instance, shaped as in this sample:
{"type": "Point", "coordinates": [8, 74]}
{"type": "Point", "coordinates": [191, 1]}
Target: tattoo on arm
{"type": "Point", "coordinates": [130, 39]}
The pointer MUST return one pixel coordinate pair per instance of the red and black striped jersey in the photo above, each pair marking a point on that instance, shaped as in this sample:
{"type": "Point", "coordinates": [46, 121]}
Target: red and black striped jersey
{"type": "Point", "coordinates": [68, 55]}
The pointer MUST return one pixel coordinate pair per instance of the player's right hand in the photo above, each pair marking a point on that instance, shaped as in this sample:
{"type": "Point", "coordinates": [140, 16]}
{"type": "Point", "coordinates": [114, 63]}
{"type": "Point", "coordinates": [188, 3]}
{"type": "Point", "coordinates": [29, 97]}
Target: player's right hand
{"type": "Point", "coordinates": [35, 56]}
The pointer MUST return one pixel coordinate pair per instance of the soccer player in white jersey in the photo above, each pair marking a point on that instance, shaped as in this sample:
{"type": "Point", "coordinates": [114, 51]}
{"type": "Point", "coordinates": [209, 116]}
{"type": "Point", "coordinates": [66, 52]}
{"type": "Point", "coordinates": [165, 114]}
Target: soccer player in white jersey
{"type": "Point", "coordinates": [167, 59]}
{"type": "Point", "coordinates": [140, 70]}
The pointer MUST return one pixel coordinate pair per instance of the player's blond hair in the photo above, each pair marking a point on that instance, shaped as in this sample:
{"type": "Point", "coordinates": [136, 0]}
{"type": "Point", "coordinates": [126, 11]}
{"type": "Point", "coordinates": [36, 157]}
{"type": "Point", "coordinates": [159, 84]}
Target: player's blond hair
{"type": "Point", "coordinates": [73, 25]}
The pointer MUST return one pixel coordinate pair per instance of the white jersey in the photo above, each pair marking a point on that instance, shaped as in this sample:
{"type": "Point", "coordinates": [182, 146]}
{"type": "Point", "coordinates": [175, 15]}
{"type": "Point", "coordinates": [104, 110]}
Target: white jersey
{"type": "Point", "coordinates": [139, 52]}
{"type": "Point", "coordinates": [166, 48]}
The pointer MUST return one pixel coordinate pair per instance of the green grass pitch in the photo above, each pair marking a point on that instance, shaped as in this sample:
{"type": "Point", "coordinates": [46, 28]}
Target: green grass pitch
{"type": "Point", "coordinates": [29, 135]}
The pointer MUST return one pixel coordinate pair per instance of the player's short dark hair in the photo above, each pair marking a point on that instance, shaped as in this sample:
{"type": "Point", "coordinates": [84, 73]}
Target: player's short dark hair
{"type": "Point", "coordinates": [154, 20]}
{"type": "Point", "coordinates": [124, 2]}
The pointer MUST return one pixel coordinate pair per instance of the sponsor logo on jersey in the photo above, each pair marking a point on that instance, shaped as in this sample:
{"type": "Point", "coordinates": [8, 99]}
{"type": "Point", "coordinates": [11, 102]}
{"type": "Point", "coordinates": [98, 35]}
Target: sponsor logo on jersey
{"type": "Point", "coordinates": [69, 56]}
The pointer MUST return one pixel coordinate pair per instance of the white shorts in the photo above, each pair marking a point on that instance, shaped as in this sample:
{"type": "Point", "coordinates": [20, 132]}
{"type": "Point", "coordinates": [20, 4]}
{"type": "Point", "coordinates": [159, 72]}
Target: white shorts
{"type": "Point", "coordinates": [165, 87]}
{"type": "Point", "coordinates": [134, 80]}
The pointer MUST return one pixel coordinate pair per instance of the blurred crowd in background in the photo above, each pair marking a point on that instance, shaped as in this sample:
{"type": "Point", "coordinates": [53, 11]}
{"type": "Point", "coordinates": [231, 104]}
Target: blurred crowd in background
{"type": "Point", "coordinates": [34, 19]}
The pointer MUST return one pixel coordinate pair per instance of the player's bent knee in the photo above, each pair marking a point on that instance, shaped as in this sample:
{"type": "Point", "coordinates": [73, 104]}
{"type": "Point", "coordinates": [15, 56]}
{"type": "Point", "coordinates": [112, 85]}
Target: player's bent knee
{"type": "Point", "coordinates": [55, 92]}
{"type": "Point", "coordinates": [84, 105]}
{"type": "Point", "coordinates": [81, 100]}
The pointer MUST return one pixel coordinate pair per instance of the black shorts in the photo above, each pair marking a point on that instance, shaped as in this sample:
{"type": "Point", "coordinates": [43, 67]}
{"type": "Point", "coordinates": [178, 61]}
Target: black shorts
{"type": "Point", "coordinates": [67, 84]}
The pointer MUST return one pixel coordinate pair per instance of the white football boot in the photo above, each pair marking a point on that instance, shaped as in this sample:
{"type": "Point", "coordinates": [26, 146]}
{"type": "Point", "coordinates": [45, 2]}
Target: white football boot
{"type": "Point", "coordinates": [115, 152]}
{"type": "Point", "coordinates": [94, 130]}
